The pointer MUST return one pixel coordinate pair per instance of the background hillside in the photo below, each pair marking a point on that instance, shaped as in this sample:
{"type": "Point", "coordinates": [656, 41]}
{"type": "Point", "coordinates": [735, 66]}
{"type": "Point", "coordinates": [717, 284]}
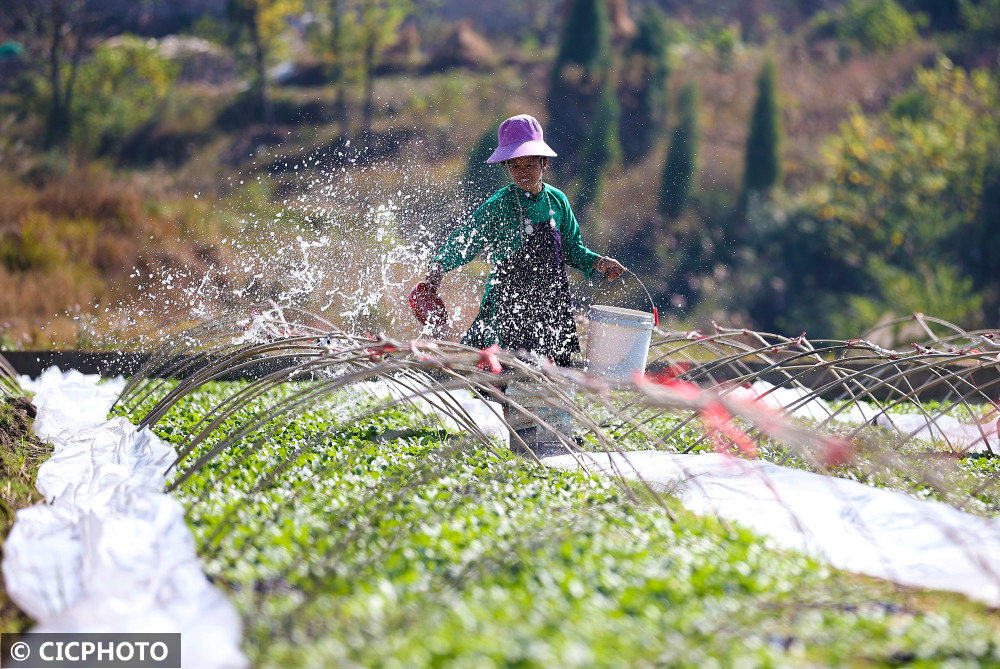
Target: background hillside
{"type": "Point", "coordinates": [812, 166]}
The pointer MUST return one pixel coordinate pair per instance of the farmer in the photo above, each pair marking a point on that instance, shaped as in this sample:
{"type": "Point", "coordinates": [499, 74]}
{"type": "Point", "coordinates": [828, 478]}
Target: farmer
{"type": "Point", "coordinates": [529, 235]}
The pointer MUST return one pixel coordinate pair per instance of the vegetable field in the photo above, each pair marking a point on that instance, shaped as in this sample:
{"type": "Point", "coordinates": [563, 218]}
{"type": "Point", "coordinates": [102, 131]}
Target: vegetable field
{"type": "Point", "coordinates": [389, 542]}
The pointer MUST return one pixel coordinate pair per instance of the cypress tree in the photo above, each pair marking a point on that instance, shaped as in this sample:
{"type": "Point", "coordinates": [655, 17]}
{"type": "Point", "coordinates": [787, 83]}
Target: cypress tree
{"type": "Point", "coordinates": [599, 151]}
{"type": "Point", "coordinates": [481, 179]}
{"type": "Point", "coordinates": [679, 169]}
{"type": "Point", "coordinates": [763, 156]}
{"type": "Point", "coordinates": [578, 75]}
{"type": "Point", "coordinates": [586, 36]}
{"type": "Point", "coordinates": [643, 91]}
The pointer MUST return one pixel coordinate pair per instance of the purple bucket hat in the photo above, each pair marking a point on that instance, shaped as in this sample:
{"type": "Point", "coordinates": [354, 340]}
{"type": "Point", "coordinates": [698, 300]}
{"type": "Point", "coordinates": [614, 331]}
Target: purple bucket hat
{"type": "Point", "coordinates": [518, 136]}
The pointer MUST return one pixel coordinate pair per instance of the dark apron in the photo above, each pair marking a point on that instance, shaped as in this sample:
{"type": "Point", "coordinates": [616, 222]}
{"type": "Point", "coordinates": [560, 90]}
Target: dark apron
{"type": "Point", "coordinates": [530, 307]}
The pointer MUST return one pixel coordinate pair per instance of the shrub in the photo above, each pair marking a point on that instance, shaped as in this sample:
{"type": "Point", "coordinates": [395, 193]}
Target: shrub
{"type": "Point", "coordinates": [643, 91]}
{"type": "Point", "coordinates": [481, 179]}
{"type": "Point", "coordinates": [878, 25]}
{"type": "Point", "coordinates": [981, 19]}
{"type": "Point", "coordinates": [679, 168]}
{"type": "Point", "coordinates": [118, 90]}
{"type": "Point", "coordinates": [901, 223]}
{"type": "Point", "coordinates": [763, 154]}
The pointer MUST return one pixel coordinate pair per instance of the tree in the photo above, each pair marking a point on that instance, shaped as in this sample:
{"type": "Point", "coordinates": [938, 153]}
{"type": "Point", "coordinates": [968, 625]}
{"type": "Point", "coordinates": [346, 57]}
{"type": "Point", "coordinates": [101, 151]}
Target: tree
{"type": "Point", "coordinates": [58, 33]}
{"type": "Point", "coordinates": [762, 170]}
{"type": "Point", "coordinates": [907, 216]}
{"type": "Point", "coordinates": [679, 168]}
{"type": "Point", "coordinates": [376, 22]}
{"type": "Point", "coordinates": [262, 20]}
{"type": "Point", "coordinates": [943, 14]}
{"type": "Point", "coordinates": [481, 179]}
{"type": "Point", "coordinates": [338, 52]}
{"type": "Point", "coordinates": [877, 25]}
{"type": "Point", "coordinates": [981, 19]}
{"type": "Point", "coordinates": [643, 89]}
{"type": "Point", "coordinates": [599, 151]}
{"type": "Point", "coordinates": [121, 87]}
{"type": "Point", "coordinates": [578, 77]}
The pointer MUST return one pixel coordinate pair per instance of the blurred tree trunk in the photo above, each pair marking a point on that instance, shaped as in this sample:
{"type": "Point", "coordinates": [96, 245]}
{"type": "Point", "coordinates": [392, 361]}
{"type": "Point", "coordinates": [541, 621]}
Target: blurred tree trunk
{"type": "Point", "coordinates": [369, 111]}
{"type": "Point", "coordinates": [337, 74]}
{"type": "Point", "coordinates": [57, 123]}
{"type": "Point", "coordinates": [259, 54]}
{"type": "Point", "coordinates": [581, 67]}
{"type": "Point", "coordinates": [378, 22]}
{"type": "Point", "coordinates": [57, 33]}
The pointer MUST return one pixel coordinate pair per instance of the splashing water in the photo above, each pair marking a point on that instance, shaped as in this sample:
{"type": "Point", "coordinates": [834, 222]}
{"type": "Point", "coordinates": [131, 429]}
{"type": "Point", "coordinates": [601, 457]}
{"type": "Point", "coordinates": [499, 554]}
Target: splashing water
{"type": "Point", "coordinates": [344, 240]}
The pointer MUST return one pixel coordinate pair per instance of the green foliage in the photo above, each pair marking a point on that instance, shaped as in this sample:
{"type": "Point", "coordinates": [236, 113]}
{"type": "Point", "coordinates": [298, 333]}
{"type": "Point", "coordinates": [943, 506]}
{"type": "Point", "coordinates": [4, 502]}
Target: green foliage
{"type": "Point", "coordinates": [265, 19]}
{"type": "Point", "coordinates": [878, 25]}
{"type": "Point", "coordinates": [911, 104]}
{"type": "Point", "coordinates": [377, 543]}
{"type": "Point", "coordinates": [207, 27]}
{"type": "Point", "coordinates": [903, 220]}
{"type": "Point", "coordinates": [723, 39]}
{"type": "Point", "coordinates": [578, 78]}
{"type": "Point", "coordinates": [643, 87]}
{"type": "Point", "coordinates": [482, 180]}
{"type": "Point", "coordinates": [822, 26]}
{"type": "Point", "coordinates": [680, 166]}
{"type": "Point", "coordinates": [599, 152]}
{"type": "Point", "coordinates": [912, 187]}
{"type": "Point", "coordinates": [941, 14]}
{"type": "Point", "coordinates": [118, 91]}
{"type": "Point", "coordinates": [21, 453]}
{"type": "Point", "coordinates": [937, 290]}
{"type": "Point", "coordinates": [762, 170]}
{"type": "Point", "coordinates": [586, 36]}
{"type": "Point", "coordinates": [262, 22]}
{"type": "Point", "coordinates": [981, 19]}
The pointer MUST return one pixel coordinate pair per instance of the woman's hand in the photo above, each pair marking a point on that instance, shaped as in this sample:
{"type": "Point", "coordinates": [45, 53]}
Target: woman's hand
{"type": "Point", "coordinates": [609, 267]}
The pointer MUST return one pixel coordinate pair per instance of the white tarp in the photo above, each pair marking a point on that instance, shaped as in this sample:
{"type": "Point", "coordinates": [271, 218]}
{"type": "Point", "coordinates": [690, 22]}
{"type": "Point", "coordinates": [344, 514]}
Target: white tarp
{"type": "Point", "coordinates": [962, 437]}
{"type": "Point", "coordinates": [110, 551]}
{"type": "Point", "coordinates": [855, 527]}
{"type": "Point", "coordinates": [793, 400]}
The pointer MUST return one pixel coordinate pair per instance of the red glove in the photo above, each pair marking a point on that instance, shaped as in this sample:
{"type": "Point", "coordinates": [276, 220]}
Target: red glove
{"type": "Point", "coordinates": [427, 305]}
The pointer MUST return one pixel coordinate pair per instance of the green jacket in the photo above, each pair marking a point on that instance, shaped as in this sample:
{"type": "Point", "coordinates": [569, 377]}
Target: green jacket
{"type": "Point", "coordinates": [496, 229]}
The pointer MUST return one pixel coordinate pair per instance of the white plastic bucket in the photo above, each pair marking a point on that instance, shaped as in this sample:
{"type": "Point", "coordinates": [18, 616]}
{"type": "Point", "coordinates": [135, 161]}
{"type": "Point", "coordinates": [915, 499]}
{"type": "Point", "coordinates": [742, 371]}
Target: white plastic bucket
{"type": "Point", "coordinates": [618, 341]}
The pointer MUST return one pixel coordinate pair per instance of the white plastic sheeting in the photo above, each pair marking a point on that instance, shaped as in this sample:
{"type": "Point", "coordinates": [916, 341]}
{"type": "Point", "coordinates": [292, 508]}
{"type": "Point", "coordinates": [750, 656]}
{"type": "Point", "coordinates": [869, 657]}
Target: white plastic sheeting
{"type": "Point", "coordinates": [109, 551]}
{"type": "Point", "coordinates": [867, 530]}
{"type": "Point", "coordinates": [793, 400]}
{"type": "Point", "coordinates": [963, 437]}
{"type": "Point", "coordinates": [852, 526]}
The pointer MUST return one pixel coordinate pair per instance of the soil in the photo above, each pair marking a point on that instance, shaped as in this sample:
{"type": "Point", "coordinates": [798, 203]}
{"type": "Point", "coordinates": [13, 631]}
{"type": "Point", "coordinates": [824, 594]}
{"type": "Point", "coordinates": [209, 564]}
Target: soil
{"type": "Point", "coordinates": [15, 424]}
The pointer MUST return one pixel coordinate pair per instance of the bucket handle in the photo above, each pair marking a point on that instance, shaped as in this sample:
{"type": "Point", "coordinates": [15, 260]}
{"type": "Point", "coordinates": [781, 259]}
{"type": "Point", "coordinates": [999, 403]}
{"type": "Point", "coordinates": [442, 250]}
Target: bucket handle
{"type": "Point", "coordinates": [656, 316]}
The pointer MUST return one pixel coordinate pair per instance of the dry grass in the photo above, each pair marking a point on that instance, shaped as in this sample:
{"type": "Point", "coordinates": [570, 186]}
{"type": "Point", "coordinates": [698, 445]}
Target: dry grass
{"type": "Point", "coordinates": [67, 243]}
